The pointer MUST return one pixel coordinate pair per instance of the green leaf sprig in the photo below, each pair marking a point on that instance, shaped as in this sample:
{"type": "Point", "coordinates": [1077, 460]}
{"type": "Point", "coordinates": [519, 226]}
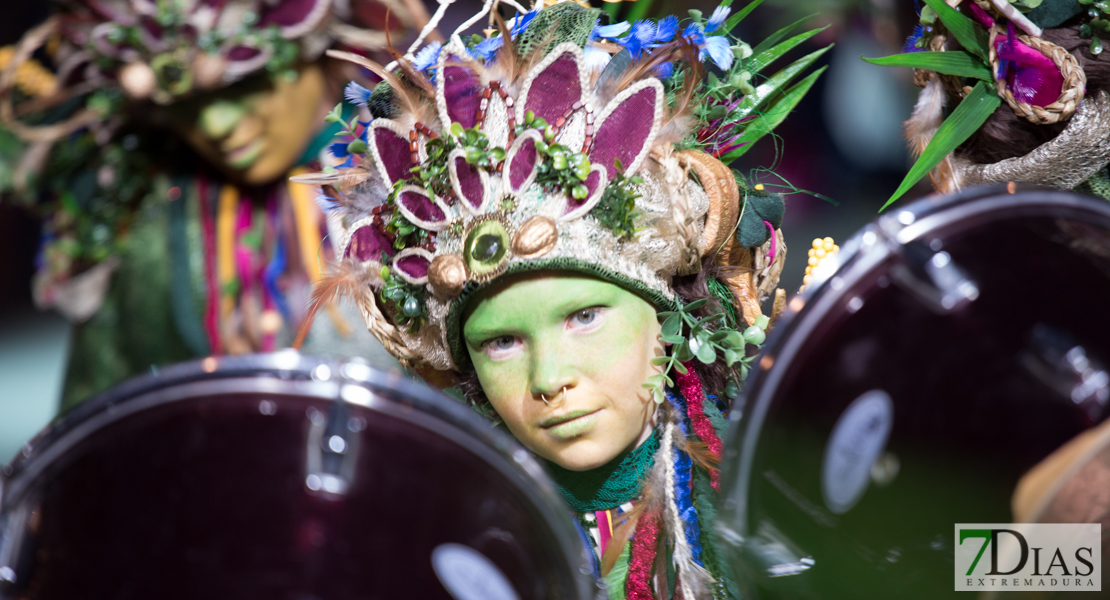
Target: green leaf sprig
{"type": "Point", "coordinates": [616, 210]}
{"type": "Point", "coordinates": [703, 343]}
{"type": "Point", "coordinates": [350, 128]}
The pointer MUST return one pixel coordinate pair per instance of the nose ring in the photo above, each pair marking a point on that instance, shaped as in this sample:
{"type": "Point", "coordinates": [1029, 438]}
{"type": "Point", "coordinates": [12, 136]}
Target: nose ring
{"type": "Point", "coordinates": [544, 398]}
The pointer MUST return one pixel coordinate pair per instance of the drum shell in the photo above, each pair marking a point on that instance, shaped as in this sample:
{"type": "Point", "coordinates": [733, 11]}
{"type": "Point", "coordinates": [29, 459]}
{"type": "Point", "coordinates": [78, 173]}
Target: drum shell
{"type": "Point", "coordinates": [967, 418]}
{"type": "Point", "coordinates": [200, 477]}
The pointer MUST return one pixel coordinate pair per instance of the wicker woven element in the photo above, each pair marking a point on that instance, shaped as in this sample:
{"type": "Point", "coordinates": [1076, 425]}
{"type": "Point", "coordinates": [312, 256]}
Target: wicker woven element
{"type": "Point", "coordinates": [1071, 94]}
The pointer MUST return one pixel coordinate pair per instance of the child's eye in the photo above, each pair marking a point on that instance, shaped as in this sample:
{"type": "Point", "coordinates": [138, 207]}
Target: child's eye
{"type": "Point", "coordinates": [586, 320]}
{"type": "Point", "coordinates": [500, 348]}
{"type": "Point", "coordinates": [586, 316]}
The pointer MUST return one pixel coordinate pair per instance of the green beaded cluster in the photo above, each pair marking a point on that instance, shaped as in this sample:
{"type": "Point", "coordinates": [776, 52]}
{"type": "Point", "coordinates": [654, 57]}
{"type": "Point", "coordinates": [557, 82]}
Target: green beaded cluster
{"type": "Point", "coordinates": [407, 299]}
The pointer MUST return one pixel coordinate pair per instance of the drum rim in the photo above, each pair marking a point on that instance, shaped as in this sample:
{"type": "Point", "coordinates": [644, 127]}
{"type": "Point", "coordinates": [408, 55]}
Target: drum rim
{"type": "Point", "coordinates": [145, 392]}
{"type": "Point", "coordinates": [868, 247]}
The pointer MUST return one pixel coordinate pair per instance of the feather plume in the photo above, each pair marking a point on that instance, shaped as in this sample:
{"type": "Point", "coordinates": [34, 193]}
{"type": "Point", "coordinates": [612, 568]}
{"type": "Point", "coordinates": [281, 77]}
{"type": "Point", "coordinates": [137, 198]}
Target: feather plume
{"type": "Point", "coordinates": [411, 100]}
{"type": "Point", "coordinates": [691, 577]}
{"type": "Point", "coordinates": [923, 124]}
{"type": "Point", "coordinates": [414, 76]}
{"type": "Point", "coordinates": [681, 120]}
{"type": "Point", "coordinates": [927, 116]}
{"type": "Point", "coordinates": [645, 67]}
{"type": "Point", "coordinates": [347, 279]}
{"type": "Point", "coordinates": [318, 178]}
{"type": "Point", "coordinates": [702, 456]}
{"type": "Point", "coordinates": [505, 66]}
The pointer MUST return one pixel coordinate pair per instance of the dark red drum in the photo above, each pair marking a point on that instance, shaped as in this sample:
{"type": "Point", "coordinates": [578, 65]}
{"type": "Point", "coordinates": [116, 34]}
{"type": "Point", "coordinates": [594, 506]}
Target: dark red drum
{"type": "Point", "coordinates": [958, 343]}
{"type": "Point", "coordinates": [287, 477]}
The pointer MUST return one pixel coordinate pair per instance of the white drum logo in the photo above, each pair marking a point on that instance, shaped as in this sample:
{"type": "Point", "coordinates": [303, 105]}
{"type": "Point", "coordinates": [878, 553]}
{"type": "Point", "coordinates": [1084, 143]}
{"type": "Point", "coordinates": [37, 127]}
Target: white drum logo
{"type": "Point", "coordinates": [856, 442]}
{"type": "Point", "coordinates": [469, 575]}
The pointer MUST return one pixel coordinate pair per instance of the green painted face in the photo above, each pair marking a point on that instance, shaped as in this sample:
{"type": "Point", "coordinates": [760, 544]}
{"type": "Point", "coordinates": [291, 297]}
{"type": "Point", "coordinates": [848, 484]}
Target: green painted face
{"type": "Point", "coordinates": [562, 358]}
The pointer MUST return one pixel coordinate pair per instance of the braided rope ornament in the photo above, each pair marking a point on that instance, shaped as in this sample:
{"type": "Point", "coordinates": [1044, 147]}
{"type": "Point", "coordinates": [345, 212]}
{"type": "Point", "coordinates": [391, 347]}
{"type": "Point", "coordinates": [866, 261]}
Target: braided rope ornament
{"type": "Point", "coordinates": [1071, 94]}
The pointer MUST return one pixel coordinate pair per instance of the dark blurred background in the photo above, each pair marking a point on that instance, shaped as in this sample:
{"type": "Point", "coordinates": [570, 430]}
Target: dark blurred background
{"type": "Point", "coordinates": [843, 142]}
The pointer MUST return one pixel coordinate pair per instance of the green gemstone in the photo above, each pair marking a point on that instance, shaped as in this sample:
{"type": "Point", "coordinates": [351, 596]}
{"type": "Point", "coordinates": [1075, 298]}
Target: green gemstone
{"type": "Point", "coordinates": [486, 247]}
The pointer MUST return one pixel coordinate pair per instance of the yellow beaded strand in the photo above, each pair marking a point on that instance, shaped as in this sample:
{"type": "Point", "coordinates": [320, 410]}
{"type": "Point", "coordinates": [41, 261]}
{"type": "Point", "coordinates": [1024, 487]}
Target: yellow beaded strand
{"type": "Point", "coordinates": [821, 249]}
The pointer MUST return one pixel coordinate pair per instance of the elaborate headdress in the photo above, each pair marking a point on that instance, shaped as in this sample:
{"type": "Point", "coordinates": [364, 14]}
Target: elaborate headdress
{"type": "Point", "coordinates": [561, 144]}
{"type": "Point", "coordinates": [164, 51]}
{"type": "Point", "coordinates": [536, 149]}
{"type": "Point", "coordinates": [1038, 57]}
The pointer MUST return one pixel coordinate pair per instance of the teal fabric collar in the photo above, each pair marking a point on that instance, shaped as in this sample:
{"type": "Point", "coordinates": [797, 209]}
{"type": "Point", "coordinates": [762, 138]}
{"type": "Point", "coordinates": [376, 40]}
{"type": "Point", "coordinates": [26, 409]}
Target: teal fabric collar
{"type": "Point", "coordinates": [609, 485]}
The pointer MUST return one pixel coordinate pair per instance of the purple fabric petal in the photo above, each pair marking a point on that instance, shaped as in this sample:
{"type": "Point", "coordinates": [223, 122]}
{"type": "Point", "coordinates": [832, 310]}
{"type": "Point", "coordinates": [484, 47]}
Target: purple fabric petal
{"type": "Point", "coordinates": [368, 243]}
{"type": "Point", "coordinates": [625, 131]}
{"type": "Point", "coordinates": [1031, 76]}
{"type": "Point", "coordinates": [394, 152]}
{"type": "Point", "coordinates": [522, 165]}
{"type": "Point", "coordinates": [288, 12]}
{"type": "Point", "coordinates": [422, 207]}
{"type": "Point", "coordinates": [242, 53]}
{"type": "Point", "coordinates": [555, 90]}
{"type": "Point", "coordinates": [470, 183]}
{"type": "Point", "coordinates": [413, 265]}
{"type": "Point", "coordinates": [462, 90]}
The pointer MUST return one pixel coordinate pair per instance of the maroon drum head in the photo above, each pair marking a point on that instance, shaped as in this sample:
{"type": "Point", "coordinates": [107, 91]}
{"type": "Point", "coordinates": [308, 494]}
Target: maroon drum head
{"type": "Point", "coordinates": [282, 476]}
{"type": "Point", "coordinates": [959, 343]}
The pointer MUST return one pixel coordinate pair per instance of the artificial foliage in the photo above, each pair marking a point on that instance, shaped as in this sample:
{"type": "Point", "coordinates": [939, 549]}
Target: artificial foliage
{"type": "Point", "coordinates": [706, 339]}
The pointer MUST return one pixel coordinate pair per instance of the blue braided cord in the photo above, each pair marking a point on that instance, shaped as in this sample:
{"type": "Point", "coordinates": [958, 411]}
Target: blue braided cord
{"type": "Point", "coordinates": [679, 404]}
{"type": "Point", "coordinates": [683, 469]}
{"type": "Point", "coordinates": [589, 547]}
{"type": "Point", "coordinates": [683, 498]}
{"type": "Point", "coordinates": [269, 279]}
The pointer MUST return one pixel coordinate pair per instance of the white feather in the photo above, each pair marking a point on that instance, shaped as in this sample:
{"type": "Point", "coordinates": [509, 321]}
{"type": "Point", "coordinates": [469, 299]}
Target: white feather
{"type": "Point", "coordinates": [692, 577]}
{"type": "Point", "coordinates": [927, 116]}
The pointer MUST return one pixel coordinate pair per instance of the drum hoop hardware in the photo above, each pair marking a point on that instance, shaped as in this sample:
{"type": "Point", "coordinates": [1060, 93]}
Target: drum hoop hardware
{"type": "Point", "coordinates": [288, 373]}
{"type": "Point", "coordinates": [858, 257]}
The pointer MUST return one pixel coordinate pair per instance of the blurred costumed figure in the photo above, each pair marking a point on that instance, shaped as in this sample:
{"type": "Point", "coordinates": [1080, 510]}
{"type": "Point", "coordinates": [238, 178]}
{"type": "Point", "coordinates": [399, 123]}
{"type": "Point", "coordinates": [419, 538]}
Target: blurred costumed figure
{"type": "Point", "coordinates": [1013, 91]}
{"type": "Point", "coordinates": [545, 217]}
{"type": "Point", "coordinates": [155, 255]}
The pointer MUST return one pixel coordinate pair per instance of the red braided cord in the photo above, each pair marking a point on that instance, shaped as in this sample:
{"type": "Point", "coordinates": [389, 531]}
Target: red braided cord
{"type": "Point", "coordinates": [645, 543]}
{"type": "Point", "coordinates": [690, 386]}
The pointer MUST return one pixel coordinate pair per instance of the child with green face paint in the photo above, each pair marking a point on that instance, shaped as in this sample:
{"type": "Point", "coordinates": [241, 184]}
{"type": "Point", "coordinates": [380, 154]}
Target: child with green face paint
{"type": "Point", "coordinates": [523, 225]}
